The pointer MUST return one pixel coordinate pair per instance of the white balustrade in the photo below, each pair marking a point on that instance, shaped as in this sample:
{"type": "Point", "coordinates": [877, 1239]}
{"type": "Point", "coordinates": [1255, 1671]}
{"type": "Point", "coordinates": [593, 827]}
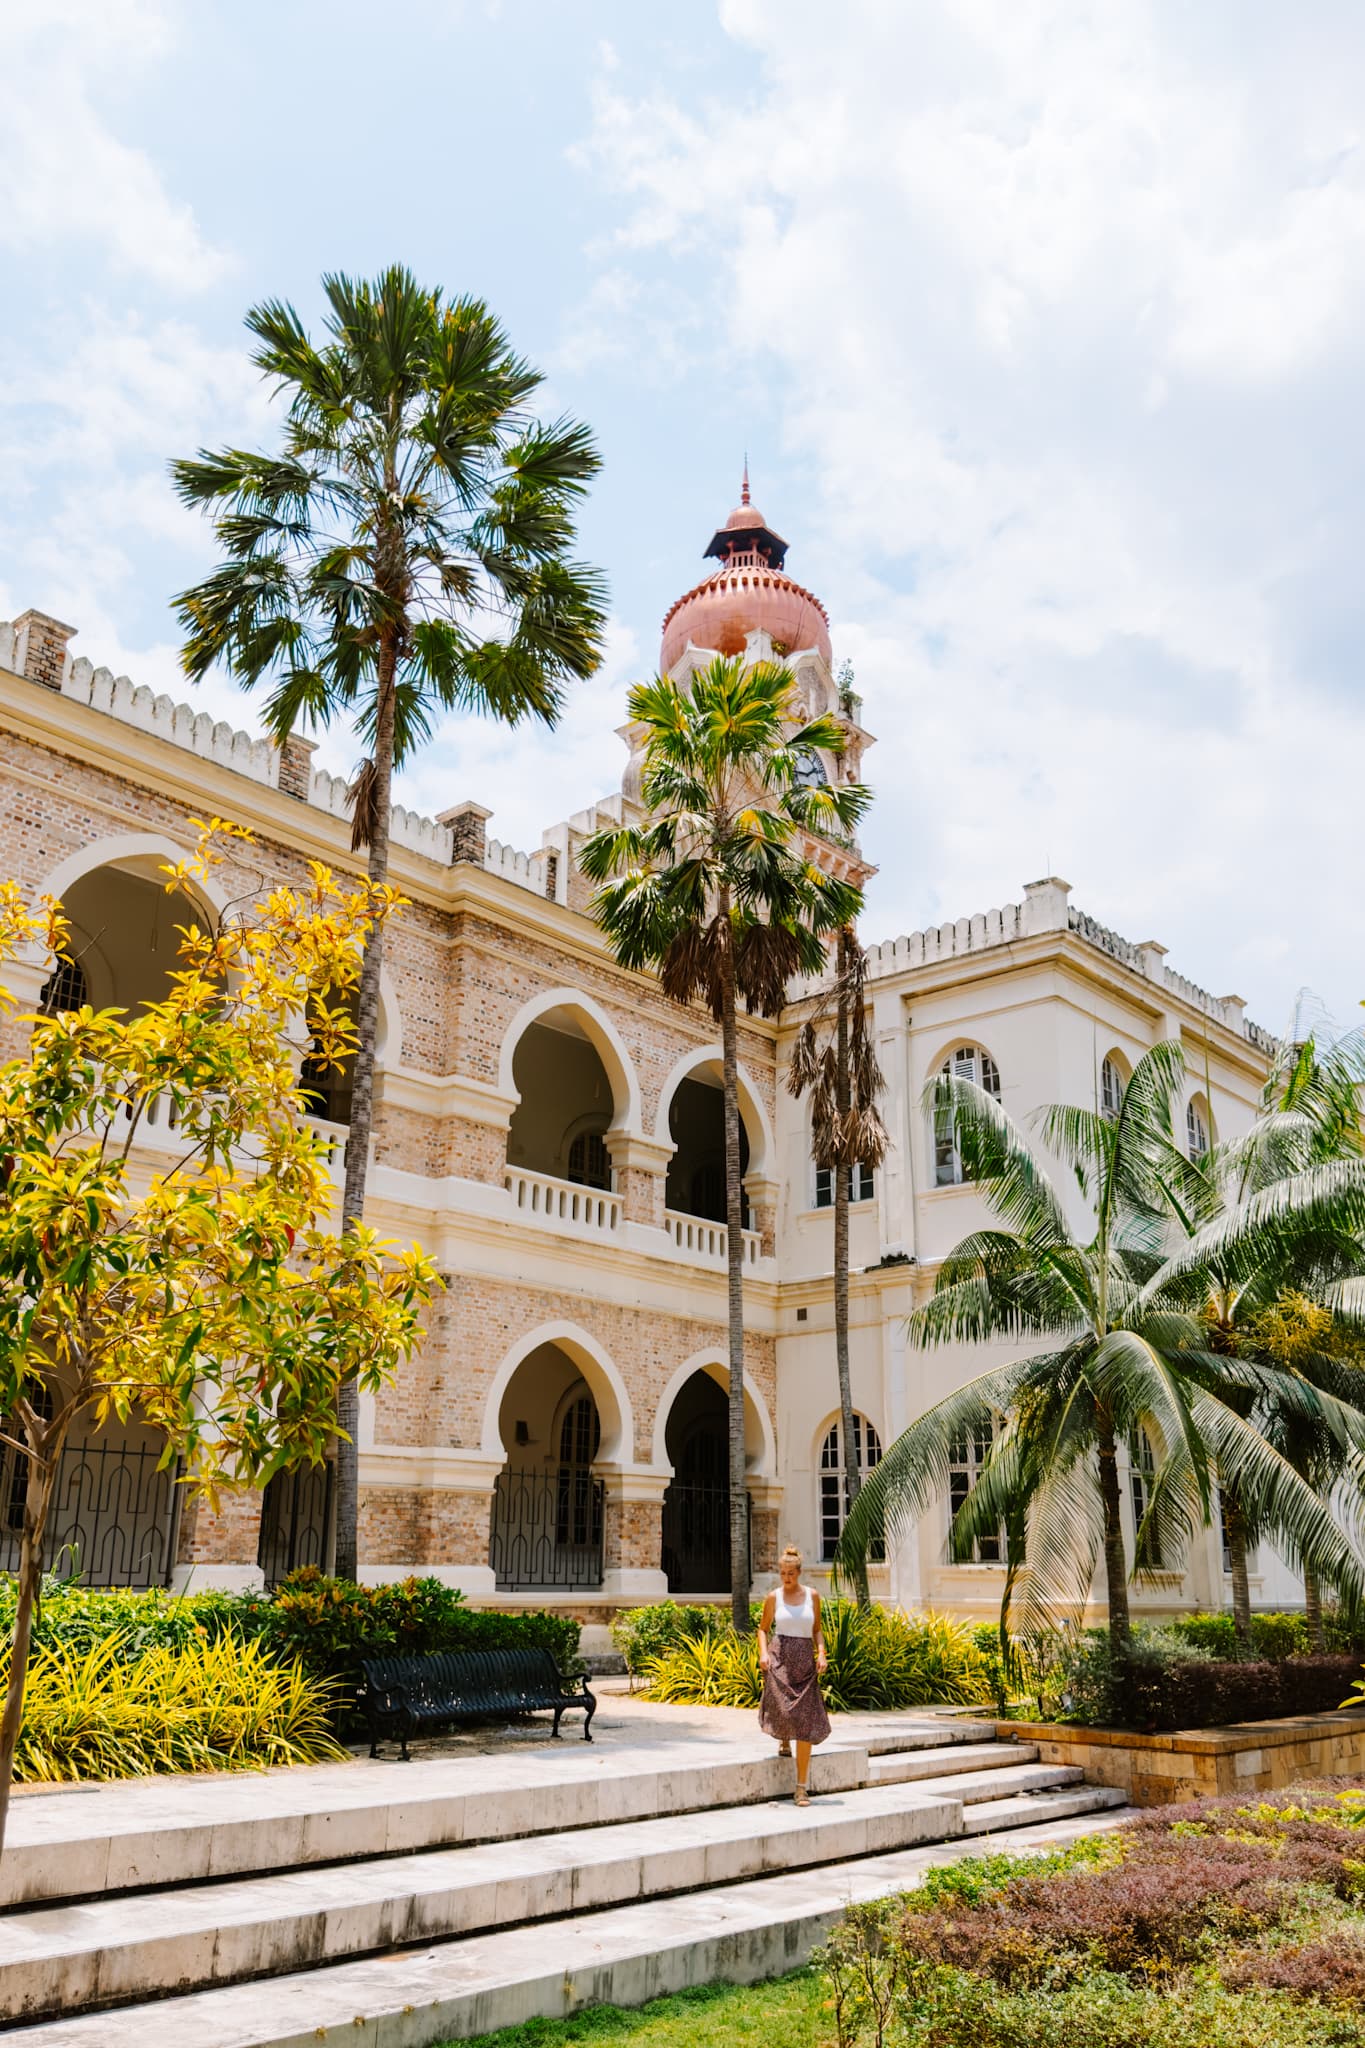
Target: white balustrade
{"type": "Point", "coordinates": [562, 1204]}
{"type": "Point", "coordinates": [701, 1239]}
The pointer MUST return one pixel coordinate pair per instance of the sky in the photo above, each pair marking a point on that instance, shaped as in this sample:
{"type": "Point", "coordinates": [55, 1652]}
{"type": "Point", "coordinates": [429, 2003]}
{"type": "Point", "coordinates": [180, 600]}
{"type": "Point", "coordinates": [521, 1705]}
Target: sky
{"type": "Point", "coordinates": [1042, 326]}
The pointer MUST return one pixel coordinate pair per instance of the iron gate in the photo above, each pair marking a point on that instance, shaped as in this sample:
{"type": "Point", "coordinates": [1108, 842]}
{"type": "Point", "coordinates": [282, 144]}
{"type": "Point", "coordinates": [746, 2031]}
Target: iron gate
{"type": "Point", "coordinates": [546, 1528]}
{"type": "Point", "coordinates": [695, 1537]}
{"type": "Point", "coordinates": [113, 1516]}
{"type": "Point", "coordinates": [296, 1521]}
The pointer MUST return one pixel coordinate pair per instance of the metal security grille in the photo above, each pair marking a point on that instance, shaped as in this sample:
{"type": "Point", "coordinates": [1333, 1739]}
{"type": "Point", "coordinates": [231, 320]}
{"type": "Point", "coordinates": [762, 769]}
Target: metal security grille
{"type": "Point", "coordinates": [696, 1538]}
{"type": "Point", "coordinates": [296, 1521]}
{"type": "Point", "coordinates": [546, 1528]}
{"type": "Point", "coordinates": [112, 1520]}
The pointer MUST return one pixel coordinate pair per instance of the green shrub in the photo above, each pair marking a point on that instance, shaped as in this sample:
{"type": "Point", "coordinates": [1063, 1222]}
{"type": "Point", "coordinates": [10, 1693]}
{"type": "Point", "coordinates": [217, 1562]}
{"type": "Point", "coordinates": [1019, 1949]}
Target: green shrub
{"type": "Point", "coordinates": [328, 1625]}
{"type": "Point", "coordinates": [879, 1658]}
{"type": "Point", "coordinates": [323, 1625]}
{"type": "Point", "coordinates": [1220, 1924]}
{"type": "Point", "coordinates": [644, 1634]}
{"type": "Point", "coordinates": [106, 1711]}
{"type": "Point", "coordinates": [80, 1617]}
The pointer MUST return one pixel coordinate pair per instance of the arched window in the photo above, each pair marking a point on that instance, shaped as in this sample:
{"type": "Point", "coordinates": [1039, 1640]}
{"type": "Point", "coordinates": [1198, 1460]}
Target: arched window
{"type": "Point", "coordinates": [834, 1503]}
{"type": "Point", "coordinates": [579, 1432]}
{"type": "Point", "coordinates": [966, 1456]}
{"type": "Point", "coordinates": [1111, 1089]}
{"type": "Point", "coordinates": [1141, 1478]}
{"type": "Point", "coordinates": [65, 988]}
{"type": "Point", "coordinates": [1197, 1127]}
{"type": "Point", "coordinates": [590, 1161]}
{"type": "Point", "coordinates": [578, 1502]}
{"type": "Point", "coordinates": [861, 1185]}
{"type": "Point", "coordinates": [968, 1063]}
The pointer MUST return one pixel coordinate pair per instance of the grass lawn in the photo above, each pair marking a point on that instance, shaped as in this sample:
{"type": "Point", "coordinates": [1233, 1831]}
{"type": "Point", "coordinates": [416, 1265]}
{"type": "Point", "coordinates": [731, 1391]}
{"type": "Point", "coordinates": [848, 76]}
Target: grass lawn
{"type": "Point", "coordinates": [791, 2012]}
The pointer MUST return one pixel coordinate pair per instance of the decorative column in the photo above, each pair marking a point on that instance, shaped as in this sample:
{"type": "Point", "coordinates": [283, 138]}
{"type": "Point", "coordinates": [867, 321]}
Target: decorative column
{"type": "Point", "coordinates": [906, 1585]}
{"type": "Point", "coordinates": [763, 1195]}
{"type": "Point", "coordinates": [218, 1550]}
{"type": "Point", "coordinates": [632, 1538]}
{"type": "Point", "coordinates": [25, 980]}
{"type": "Point", "coordinates": [765, 1528]}
{"type": "Point", "coordinates": [640, 1166]}
{"type": "Point", "coordinates": [427, 1511]}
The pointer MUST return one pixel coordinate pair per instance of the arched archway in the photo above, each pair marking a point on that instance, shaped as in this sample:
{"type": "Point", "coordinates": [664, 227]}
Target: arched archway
{"type": "Point", "coordinates": [556, 1412]}
{"type": "Point", "coordinates": [592, 1361]}
{"type": "Point", "coordinates": [123, 943]}
{"type": "Point", "coordinates": [703, 1067]}
{"type": "Point", "coordinates": [692, 1441]}
{"type": "Point", "coordinates": [574, 1086]}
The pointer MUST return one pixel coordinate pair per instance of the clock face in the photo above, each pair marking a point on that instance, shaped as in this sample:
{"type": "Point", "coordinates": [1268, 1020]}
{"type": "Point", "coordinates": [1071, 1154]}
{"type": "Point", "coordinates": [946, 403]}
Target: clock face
{"type": "Point", "coordinates": [810, 770]}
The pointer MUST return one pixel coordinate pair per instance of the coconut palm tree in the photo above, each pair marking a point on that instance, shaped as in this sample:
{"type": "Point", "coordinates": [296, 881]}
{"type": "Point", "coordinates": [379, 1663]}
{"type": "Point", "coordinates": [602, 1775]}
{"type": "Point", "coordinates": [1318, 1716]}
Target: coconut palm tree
{"type": "Point", "coordinates": [1120, 1354]}
{"type": "Point", "coordinates": [406, 550]}
{"type": "Point", "coordinates": [1268, 1219]}
{"type": "Point", "coordinates": [718, 890]}
{"type": "Point", "coordinates": [837, 1065]}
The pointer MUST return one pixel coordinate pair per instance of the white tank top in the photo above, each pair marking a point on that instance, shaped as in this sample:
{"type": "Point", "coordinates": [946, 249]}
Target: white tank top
{"type": "Point", "coordinates": [794, 1621]}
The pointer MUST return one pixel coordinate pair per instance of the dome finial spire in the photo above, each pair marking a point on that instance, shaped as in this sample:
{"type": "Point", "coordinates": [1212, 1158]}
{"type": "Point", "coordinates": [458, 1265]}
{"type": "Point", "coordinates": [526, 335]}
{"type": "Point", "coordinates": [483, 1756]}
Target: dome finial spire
{"type": "Point", "coordinates": [744, 487]}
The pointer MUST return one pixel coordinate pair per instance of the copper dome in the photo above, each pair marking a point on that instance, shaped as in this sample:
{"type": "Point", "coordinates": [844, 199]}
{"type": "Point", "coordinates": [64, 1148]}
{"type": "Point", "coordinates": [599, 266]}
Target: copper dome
{"type": "Point", "coordinates": [748, 592]}
{"type": "Point", "coordinates": [745, 596]}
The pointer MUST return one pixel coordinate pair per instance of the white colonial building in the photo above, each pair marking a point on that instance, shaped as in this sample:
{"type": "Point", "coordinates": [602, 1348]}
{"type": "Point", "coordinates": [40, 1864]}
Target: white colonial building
{"type": "Point", "coordinates": [549, 1127]}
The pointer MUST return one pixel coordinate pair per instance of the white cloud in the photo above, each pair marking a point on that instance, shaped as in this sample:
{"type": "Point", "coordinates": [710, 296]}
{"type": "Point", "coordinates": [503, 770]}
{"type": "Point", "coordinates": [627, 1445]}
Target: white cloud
{"type": "Point", "coordinates": [65, 171]}
{"type": "Point", "coordinates": [1062, 304]}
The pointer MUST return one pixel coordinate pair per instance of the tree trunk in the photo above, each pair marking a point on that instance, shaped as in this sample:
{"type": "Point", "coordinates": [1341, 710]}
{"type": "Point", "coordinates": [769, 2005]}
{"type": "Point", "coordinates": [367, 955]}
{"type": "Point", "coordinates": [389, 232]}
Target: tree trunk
{"type": "Point", "coordinates": [347, 1480]}
{"type": "Point", "coordinates": [740, 1570]}
{"type": "Point", "coordinates": [42, 1474]}
{"type": "Point", "coordinates": [1312, 1609]}
{"type": "Point", "coordinates": [848, 1431]}
{"type": "Point", "coordinates": [1115, 1559]}
{"type": "Point", "coordinates": [1237, 1560]}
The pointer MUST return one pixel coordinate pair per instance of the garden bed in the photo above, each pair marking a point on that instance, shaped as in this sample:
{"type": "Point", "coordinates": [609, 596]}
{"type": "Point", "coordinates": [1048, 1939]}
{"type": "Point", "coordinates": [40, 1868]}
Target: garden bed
{"type": "Point", "coordinates": [1196, 1763]}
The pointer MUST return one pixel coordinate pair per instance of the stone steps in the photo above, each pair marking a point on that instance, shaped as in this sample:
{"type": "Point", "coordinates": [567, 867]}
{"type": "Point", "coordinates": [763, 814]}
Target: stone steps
{"type": "Point", "coordinates": [412, 1909]}
{"type": "Point", "coordinates": [66, 1958]}
{"type": "Point", "coordinates": [457, 1990]}
{"type": "Point", "coordinates": [86, 1841]}
{"type": "Point", "coordinates": [898, 1767]}
{"type": "Point", "coordinates": [1025, 1809]}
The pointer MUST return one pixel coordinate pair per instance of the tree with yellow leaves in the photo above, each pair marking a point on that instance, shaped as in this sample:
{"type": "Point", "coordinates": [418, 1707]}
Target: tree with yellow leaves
{"type": "Point", "coordinates": [207, 1297]}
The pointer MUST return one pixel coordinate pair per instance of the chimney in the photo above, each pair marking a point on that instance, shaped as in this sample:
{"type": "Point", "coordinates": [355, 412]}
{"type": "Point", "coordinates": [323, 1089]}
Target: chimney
{"type": "Point", "coordinates": [1046, 905]}
{"type": "Point", "coordinates": [40, 648]}
{"type": "Point", "coordinates": [468, 824]}
{"type": "Point", "coordinates": [296, 767]}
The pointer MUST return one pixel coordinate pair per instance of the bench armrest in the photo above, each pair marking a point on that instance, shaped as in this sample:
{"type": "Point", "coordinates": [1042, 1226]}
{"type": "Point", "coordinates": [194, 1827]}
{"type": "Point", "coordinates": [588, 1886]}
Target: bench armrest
{"type": "Point", "coordinates": [386, 1699]}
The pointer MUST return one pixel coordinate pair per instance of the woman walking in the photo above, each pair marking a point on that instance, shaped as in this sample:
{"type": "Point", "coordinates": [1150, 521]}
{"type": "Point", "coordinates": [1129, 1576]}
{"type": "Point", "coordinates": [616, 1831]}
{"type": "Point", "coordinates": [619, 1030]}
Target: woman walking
{"type": "Point", "coordinates": [791, 1655]}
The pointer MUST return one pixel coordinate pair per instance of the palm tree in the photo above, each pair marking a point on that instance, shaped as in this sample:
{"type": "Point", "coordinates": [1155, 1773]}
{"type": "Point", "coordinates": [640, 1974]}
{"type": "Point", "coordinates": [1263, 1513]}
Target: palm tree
{"type": "Point", "coordinates": [406, 550]}
{"type": "Point", "coordinates": [717, 891]}
{"type": "Point", "coordinates": [845, 1083]}
{"type": "Point", "coordinates": [1270, 1219]}
{"type": "Point", "coordinates": [1120, 1355]}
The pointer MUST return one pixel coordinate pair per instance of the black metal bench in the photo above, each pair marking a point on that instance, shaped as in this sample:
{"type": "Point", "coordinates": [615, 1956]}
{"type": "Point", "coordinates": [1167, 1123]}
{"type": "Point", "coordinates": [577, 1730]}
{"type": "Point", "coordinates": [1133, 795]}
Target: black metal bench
{"type": "Point", "coordinates": [403, 1696]}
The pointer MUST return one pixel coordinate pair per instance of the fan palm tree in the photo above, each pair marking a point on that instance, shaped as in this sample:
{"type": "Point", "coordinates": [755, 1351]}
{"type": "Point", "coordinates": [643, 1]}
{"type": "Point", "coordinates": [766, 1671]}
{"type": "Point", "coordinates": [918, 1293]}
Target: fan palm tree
{"type": "Point", "coordinates": [406, 550]}
{"type": "Point", "coordinates": [845, 1083]}
{"type": "Point", "coordinates": [1270, 1217]}
{"type": "Point", "coordinates": [1120, 1355]}
{"type": "Point", "coordinates": [718, 891]}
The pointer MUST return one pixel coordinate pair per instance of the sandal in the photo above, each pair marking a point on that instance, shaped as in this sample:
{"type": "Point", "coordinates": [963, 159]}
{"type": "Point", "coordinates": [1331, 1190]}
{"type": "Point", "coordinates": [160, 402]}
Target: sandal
{"type": "Point", "coordinates": [801, 1797]}
{"type": "Point", "coordinates": [784, 1749]}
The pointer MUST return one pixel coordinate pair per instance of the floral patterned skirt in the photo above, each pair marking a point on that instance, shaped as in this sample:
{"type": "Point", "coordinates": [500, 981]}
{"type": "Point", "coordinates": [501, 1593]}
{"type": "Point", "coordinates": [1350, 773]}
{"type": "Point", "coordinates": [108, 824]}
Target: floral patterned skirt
{"type": "Point", "coordinates": [792, 1709]}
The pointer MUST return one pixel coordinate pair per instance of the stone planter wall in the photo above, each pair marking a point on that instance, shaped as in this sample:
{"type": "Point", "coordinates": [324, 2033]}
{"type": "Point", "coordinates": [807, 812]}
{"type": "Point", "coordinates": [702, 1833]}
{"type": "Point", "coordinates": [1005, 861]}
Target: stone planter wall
{"type": "Point", "coordinates": [1196, 1763]}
